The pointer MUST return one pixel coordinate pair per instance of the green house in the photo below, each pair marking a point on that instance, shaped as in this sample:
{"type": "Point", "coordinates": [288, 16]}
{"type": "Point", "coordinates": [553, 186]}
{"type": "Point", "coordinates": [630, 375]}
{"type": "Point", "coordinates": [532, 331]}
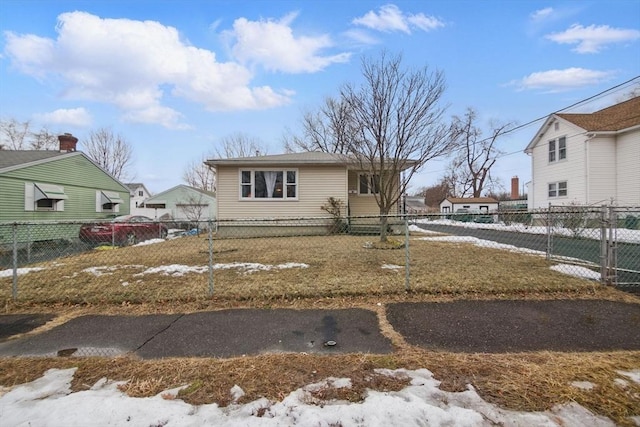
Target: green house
{"type": "Point", "coordinates": [52, 187]}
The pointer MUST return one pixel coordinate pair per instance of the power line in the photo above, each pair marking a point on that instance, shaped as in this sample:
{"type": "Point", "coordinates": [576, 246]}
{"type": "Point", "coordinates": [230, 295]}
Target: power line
{"type": "Point", "coordinates": [531, 122]}
{"type": "Point", "coordinates": [566, 108]}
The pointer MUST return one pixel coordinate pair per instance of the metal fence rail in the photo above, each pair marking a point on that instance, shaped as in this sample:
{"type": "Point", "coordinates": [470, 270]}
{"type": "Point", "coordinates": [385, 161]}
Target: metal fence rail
{"type": "Point", "coordinates": [50, 262]}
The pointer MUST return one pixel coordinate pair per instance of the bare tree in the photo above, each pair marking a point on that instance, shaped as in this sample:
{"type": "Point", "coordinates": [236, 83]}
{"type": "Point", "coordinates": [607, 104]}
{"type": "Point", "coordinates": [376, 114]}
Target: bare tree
{"type": "Point", "coordinates": [197, 174]}
{"type": "Point", "coordinates": [195, 209]}
{"type": "Point", "coordinates": [16, 135]}
{"type": "Point", "coordinates": [399, 118]}
{"type": "Point", "coordinates": [631, 93]}
{"type": "Point", "coordinates": [470, 171]}
{"type": "Point", "coordinates": [435, 194]}
{"type": "Point", "coordinates": [330, 129]}
{"type": "Point", "coordinates": [13, 134]}
{"type": "Point", "coordinates": [43, 140]}
{"type": "Point", "coordinates": [111, 152]}
{"type": "Point", "coordinates": [240, 144]}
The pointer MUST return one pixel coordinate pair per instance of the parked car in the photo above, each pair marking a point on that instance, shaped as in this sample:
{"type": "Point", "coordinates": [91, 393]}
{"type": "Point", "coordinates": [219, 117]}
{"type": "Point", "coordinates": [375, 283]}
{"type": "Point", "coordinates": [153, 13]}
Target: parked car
{"type": "Point", "coordinates": [472, 215]}
{"type": "Point", "coordinates": [122, 230]}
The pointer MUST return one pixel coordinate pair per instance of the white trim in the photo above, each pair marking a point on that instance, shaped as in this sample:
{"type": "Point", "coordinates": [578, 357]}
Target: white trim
{"type": "Point", "coordinates": [252, 183]}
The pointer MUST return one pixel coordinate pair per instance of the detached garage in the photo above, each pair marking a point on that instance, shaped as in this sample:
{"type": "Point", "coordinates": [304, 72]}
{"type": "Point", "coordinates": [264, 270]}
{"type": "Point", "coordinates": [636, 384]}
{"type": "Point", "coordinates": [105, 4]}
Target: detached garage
{"type": "Point", "coordinates": [483, 204]}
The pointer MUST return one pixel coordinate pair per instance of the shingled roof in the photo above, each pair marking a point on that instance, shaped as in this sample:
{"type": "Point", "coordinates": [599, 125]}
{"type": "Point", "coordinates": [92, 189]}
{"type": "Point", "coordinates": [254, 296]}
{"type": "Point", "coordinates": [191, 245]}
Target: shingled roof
{"type": "Point", "coordinates": [11, 159]}
{"type": "Point", "coordinates": [617, 117]}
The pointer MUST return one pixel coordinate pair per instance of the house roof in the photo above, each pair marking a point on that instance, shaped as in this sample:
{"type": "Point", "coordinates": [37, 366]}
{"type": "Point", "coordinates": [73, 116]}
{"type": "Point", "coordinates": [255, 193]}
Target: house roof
{"type": "Point", "coordinates": [198, 190]}
{"type": "Point", "coordinates": [134, 185]}
{"type": "Point", "coordinates": [18, 159]}
{"type": "Point", "coordinates": [617, 117]}
{"type": "Point", "coordinates": [471, 200]}
{"type": "Point", "coordinates": [415, 202]}
{"type": "Point", "coordinates": [304, 158]}
{"type": "Point", "coordinates": [310, 157]}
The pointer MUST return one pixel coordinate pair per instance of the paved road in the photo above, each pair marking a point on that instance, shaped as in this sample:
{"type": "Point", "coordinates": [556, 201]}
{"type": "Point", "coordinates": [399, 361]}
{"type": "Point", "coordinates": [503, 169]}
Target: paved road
{"type": "Point", "coordinates": [585, 249]}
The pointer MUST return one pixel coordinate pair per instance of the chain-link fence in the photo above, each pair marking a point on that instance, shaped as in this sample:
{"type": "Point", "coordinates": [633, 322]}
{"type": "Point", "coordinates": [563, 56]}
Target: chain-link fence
{"type": "Point", "coordinates": [604, 238]}
{"type": "Point", "coordinates": [288, 258]}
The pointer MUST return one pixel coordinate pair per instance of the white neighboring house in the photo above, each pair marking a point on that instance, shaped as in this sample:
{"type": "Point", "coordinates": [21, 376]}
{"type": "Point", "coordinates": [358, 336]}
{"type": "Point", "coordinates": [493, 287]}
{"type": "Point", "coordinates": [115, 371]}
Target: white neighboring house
{"type": "Point", "coordinates": [181, 203]}
{"type": "Point", "coordinates": [483, 204]}
{"type": "Point", "coordinates": [587, 159]}
{"type": "Point", "coordinates": [139, 194]}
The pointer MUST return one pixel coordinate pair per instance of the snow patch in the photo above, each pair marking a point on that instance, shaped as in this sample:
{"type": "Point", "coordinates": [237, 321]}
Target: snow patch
{"type": "Point", "coordinates": [577, 271]}
{"type": "Point", "coordinates": [48, 401]}
{"type": "Point", "coordinates": [19, 271]}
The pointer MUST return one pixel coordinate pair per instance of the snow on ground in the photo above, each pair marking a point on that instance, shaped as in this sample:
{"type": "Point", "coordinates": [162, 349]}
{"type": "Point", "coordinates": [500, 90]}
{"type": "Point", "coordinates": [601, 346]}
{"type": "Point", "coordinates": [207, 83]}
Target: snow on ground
{"type": "Point", "coordinates": [576, 270]}
{"type": "Point", "coordinates": [20, 271]}
{"type": "Point", "coordinates": [572, 270]}
{"type": "Point", "coordinates": [622, 234]}
{"type": "Point", "coordinates": [481, 243]}
{"type": "Point", "coordinates": [49, 402]}
{"type": "Point", "coordinates": [245, 267]}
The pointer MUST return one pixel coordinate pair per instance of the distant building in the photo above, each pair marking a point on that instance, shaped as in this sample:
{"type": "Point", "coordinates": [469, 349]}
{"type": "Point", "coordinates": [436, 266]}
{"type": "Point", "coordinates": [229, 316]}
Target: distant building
{"type": "Point", "coordinates": [483, 204]}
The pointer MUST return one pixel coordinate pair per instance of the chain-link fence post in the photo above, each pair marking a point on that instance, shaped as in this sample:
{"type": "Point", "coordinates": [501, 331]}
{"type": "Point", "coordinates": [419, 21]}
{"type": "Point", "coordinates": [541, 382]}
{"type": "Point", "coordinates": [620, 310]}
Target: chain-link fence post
{"type": "Point", "coordinates": [14, 285]}
{"type": "Point", "coordinates": [604, 256]}
{"type": "Point", "coordinates": [549, 232]}
{"type": "Point", "coordinates": [28, 226]}
{"type": "Point", "coordinates": [210, 226]}
{"type": "Point", "coordinates": [407, 254]}
{"type": "Point", "coordinates": [612, 247]}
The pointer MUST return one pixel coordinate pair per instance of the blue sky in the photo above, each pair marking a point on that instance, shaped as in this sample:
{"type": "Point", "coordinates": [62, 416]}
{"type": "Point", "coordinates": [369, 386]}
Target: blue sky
{"type": "Point", "coordinates": [174, 77]}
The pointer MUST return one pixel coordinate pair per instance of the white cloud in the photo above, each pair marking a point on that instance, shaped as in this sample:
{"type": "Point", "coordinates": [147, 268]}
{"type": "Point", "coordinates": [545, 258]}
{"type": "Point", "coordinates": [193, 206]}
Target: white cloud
{"type": "Point", "coordinates": [360, 37]}
{"type": "Point", "coordinates": [71, 116]}
{"type": "Point", "coordinates": [273, 45]}
{"type": "Point", "coordinates": [541, 14]}
{"type": "Point", "coordinates": [593, 38]}
{"type": "Point", "coordinates": [134, 65]}
{"type": "Point", "coordinates": [390, 18]}
{"type": "Point", "coordinates": [562, 80]}
{"type": "Point", "coordinates": [164, 116]}
{"type": "Point", "coordinates": [425, 23]}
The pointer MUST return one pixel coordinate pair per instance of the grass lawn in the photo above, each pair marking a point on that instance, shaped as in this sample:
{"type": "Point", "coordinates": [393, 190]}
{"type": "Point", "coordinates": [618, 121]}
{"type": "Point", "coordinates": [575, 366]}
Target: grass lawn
{"type": "Point", "coordinates": [338, 272]}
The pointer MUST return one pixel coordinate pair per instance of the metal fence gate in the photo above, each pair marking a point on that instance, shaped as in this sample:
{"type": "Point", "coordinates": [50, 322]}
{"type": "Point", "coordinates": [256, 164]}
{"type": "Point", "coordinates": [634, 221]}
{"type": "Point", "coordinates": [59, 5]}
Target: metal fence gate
{"type": "Point", "coordinates": [605, 239]}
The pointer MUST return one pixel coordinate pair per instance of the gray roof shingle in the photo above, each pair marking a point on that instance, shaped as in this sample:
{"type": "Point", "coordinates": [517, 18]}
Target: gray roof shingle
{"type": "Point", "coordinates": [13, 158]}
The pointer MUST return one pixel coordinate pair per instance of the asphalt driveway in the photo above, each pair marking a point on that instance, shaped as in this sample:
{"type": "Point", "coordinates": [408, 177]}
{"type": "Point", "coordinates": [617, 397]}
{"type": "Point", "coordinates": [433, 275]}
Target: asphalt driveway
{"type": "Point", "coordinates": [460, 326]}
{"type": "Point", "coordinates": [223, 333]}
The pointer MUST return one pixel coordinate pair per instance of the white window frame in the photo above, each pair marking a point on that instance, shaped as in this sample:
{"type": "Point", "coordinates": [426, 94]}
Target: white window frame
{"type": "Point", "coordinates": [557, 149]}
{"type": "Point", "coordinates": [557, 189]}
{"type": "Point", "coordinates": [252, 184]}
{"type": "Point", "coordinates": [372, 188]}
{"type": "Point", "coordinates": [31, 199]}
{"type": "Point", "coordinates": [107, 207]}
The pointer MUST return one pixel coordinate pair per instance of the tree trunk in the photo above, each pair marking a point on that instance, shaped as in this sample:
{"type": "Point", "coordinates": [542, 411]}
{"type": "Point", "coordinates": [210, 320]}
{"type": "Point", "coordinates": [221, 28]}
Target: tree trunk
{"type": "Point", "coordinates": [383, 227]}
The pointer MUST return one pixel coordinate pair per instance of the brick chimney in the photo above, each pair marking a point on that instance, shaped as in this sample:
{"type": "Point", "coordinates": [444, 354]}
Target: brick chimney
{"type": "Point", "coordinates": [67, 142]}
{"type": "Point", "coordinates": [515, 188]}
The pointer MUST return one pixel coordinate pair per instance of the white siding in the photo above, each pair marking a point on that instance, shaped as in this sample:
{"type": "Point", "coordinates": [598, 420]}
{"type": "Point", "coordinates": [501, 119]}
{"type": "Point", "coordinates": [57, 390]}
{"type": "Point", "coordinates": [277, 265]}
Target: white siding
{"type": "Point", "coordinates": [601, 184]}
{"type": "Point", "coordinates": [628, 169]}
{"type": "Point", "coordinates": [572, 169]}
{"type": "Point", "coordinates": [315, 185]}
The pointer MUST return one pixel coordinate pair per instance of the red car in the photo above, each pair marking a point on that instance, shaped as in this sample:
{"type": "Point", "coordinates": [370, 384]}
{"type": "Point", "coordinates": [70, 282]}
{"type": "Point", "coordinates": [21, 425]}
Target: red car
{"type": "Point", "coordinates": [123, 230]}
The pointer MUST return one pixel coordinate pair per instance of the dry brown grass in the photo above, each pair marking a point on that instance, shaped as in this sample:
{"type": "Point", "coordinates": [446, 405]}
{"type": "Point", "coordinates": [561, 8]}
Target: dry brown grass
{"type": "Point", "coordinates": [523, 382]}
{"type": "Point", "coordinates": [342, 273]}
{"type": "Point", "coordinates": [338, 266]}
